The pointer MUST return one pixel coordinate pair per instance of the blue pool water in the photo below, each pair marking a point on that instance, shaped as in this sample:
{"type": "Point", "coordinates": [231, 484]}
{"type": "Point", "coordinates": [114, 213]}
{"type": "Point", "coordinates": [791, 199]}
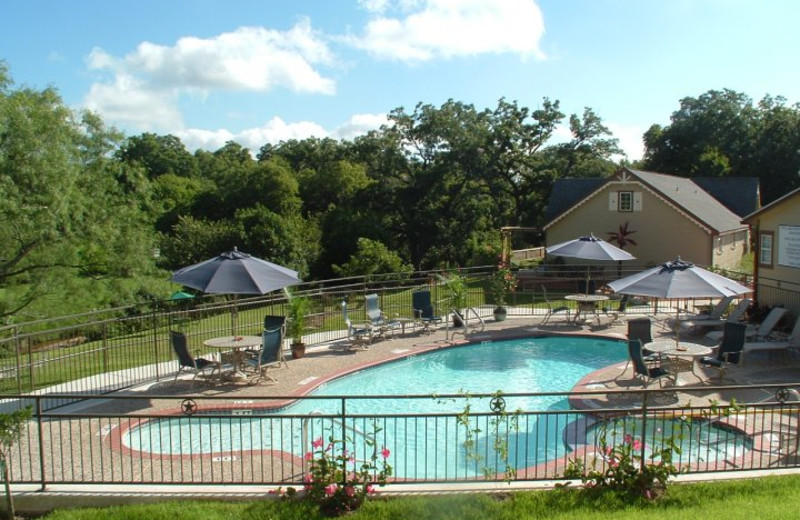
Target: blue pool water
{"type": "Point", "coordinates": [430, 446]}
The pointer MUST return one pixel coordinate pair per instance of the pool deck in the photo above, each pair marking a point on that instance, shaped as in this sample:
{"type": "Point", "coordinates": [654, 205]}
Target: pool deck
{"type": "Point", "coordinates": [329, 361]}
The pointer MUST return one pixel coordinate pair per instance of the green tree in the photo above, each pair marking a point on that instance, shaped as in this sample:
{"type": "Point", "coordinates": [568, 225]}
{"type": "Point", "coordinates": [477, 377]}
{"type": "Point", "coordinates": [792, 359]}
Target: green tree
{"type": "Point", "coordinates": [372, 257]}
{"type": "Point", "coordinates": [66, 214]}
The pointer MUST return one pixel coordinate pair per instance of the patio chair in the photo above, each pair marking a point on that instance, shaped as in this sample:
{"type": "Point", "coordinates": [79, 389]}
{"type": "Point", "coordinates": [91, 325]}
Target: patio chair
{"type": "Point", "coordinates": [376, 317]}
{"type": "Point", "coordinates": [761, 332]}
{"type": "Point", "coordinates": [198, 365]}
{"type": "Point", "coordinates": [359, 336]}
{"type": "Point", "coordinates": [640, 369]}
{"type": "Point", "coordinates": [730, 350]}
{"type": "Point", "coordinates": [614, 314]}
{"type": "Point", "coordinates": [422, 308]}
{"type": "Point", "coordinates": [715, 313]}
{"type": "Point", "coordinates": [272, 322]}
{"type": "Point", "coordinates": [551, 310]}
{"type": "Point", "coordinates": [791, 341]}
{"type": "Point", "coordinates": [639, 330]}
{"type": "Point", "coordinates": [691, 326]}
{"type": "Point", "coordinates": [270, 355]}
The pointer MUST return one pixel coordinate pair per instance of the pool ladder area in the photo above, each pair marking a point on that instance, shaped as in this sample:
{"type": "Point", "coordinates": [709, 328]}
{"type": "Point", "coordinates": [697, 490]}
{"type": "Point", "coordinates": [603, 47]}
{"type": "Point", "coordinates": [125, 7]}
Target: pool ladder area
{"type": "Point", "coordinates": [306, 440]}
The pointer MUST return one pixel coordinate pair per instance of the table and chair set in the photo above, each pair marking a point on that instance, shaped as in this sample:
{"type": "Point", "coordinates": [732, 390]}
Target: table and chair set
{"type": "Point", "coordinates": [239, 358]}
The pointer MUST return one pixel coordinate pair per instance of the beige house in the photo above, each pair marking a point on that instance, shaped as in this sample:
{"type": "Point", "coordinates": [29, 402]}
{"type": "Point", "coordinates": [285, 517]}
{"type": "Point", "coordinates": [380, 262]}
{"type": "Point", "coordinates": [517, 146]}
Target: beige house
{"type": "Point", "coordinates": [662, 217]}
{"type": "Point", "coordinates": [776, 232]}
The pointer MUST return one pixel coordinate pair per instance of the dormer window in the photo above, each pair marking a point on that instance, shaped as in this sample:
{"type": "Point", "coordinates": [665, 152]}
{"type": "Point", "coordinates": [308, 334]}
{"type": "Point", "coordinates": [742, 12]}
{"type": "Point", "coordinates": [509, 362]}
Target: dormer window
{"type": "Point", "coordinates": [625, 201]}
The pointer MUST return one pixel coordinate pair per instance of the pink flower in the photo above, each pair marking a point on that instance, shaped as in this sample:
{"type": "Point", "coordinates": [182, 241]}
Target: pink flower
{"type": "Point", "coordinates": [609, 450]}
{"type": "Point", "coordinates": [370, 489]}
{"type": "Point", "coordinates": [330, 447]}
{"type": "Point", "coordinates": [330, 489]}
{"type": "Point", "coordinates": [613, 463]}
{"type": "Point", "coordinates": [349, 491]}
{"type": "Point", "coordinates": [385, 452]}
{"type": "Point", "coordinates": [309, 456]}
{"type": "Point", "coordinates": [317, 443]}
{"type": "Point", "coordinates": [637, 445]}
{"type": "Point", "coordinates": [628, 438]}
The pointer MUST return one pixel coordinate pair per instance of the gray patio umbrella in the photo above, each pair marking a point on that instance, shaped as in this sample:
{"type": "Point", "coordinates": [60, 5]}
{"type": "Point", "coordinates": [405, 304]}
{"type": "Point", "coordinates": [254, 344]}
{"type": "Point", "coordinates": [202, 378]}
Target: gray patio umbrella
{"type": "Point", "coordinates": [589, 247]}
{"type": "Point", "coordinates": [235, 273]}
{"type": "Point", "coordinates": [678, 279]}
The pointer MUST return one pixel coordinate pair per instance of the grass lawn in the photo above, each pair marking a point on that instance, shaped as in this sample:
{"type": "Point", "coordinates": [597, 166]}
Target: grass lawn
{"type": "Point", "coordinates": [763, 498]}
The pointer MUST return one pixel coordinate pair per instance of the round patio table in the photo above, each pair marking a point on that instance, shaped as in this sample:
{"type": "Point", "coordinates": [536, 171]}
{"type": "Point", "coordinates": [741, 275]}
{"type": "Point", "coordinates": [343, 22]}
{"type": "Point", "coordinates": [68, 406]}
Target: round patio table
{"type": "Point", "coordinates": [235, 344]}
{"type": "Point", "coordinates": [587, 303]}
{"type": "Point", "coordinates": [678, 352]}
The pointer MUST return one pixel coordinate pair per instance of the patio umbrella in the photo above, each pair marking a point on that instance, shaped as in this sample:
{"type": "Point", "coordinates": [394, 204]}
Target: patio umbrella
{"type": "Point", "coordinates": [181, 295]}
{"type": "Point", "coordinates": [589, 247]}
{"type": "Point", "coordinates": [678, 279]}
{"type": "Point", "coordinates": [235, 273]}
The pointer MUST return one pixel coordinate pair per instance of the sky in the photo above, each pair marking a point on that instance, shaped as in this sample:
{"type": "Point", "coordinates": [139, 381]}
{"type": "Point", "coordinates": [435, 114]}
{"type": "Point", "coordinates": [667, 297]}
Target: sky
{"type": "Point", "coordinates": [260, 71]}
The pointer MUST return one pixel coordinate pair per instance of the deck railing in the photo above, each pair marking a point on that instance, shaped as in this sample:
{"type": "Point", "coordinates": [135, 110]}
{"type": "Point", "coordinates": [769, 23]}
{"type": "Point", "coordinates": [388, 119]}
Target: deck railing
{"type": "Point", "coordinates": [161, 439]}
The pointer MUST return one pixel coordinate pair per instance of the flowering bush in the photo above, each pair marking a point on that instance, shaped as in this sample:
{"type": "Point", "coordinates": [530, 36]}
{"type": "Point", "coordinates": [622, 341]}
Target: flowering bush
{"type": "Point", "coordinates": [337, 481]}
{"type": "Point", "coordinates": [503, 284]}
{"type": "Point", "coordinates": [627, 468]}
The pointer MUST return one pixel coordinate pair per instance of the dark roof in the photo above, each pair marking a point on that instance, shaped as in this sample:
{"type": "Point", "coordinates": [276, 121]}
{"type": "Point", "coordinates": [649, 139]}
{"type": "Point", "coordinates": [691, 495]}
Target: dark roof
{"type": "Point", "coordinates": [566, 193]}
{"type": "Point", "coordinates": [738, 194]}
{"type": "Point", "coordinates": [719, 203]}
{"type": "Point", "coordinates": [776, 202]}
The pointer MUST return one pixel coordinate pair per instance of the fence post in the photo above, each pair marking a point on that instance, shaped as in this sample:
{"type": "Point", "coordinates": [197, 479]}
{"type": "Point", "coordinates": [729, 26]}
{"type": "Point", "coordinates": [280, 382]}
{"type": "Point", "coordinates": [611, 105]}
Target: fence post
{"type": "Point", "coordinates": [154, 327]}
{"type": "Point", "coordinates": [644, 429]}
{"type": "Point", "coordinates": [344, 442]}
{"type": "Point", "coordinates": [31, 370]}
{"type": "Point", "coordinates": [105, 346]}
{"type": "Point", "coordinates": [18, 355]}
{"type": "Point", "coordinates": [39, 423]}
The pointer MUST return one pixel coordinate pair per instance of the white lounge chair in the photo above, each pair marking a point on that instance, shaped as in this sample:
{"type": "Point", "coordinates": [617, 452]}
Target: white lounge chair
{"type": "Point", "coordinates": [791, 341]}
{"type": "Point", "coordinates": [698, 324]}
{"type": "Point", "coordinates": [761, 332]}
{"type": "Point", "coordinates": [715, 314]}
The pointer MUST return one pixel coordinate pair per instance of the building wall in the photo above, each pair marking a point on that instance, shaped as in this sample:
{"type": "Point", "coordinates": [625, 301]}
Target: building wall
{"type": "Point", "coordinates": [661, 232]}
{"type": "Point", "coordinates": [775, 282]}
{"type": "Point", "coordinates": [730, 248]}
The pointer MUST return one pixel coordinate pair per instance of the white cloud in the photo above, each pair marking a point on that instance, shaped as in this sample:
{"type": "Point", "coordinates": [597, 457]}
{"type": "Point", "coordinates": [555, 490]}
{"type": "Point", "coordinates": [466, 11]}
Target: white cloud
{"type": "Point", "coordinates": [630, 140]}
{"type": "Point", "coordinates": [429, 29]}
{"type": "Point", "coordinates": [276, 130]}
{"type": "Point", "coordinates": [359, 124]}
{"type": "Point", "coordinates": [247, 59]}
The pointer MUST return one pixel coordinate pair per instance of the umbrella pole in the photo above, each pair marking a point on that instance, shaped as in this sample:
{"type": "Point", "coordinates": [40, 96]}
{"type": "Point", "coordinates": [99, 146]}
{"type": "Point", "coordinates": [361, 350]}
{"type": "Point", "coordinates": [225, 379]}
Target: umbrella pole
{"type": "Point", "coordinates": [234, 316]}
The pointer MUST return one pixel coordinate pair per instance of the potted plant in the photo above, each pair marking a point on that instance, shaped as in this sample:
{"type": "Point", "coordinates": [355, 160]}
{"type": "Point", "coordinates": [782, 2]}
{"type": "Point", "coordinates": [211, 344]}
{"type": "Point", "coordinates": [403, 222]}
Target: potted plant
{"type": "Point", "coordinates": [458, 295]}
{"type": "Point", "coordinates": [503, 284]}
{"type": "Point", "coordinates": [296, 324]}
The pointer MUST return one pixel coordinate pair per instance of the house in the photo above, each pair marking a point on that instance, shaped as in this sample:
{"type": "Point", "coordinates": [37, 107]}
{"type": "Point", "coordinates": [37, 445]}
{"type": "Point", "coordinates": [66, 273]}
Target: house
{"type": "Point", "coordinates": [657, 217]}
{"type": "Point", "coordinates": [776, 233]}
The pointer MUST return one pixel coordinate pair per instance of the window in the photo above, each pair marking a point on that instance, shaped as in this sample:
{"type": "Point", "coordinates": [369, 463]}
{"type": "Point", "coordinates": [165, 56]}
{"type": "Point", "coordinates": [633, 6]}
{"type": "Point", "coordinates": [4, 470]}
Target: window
{"type": "Point", "coordinates": [765, 249]}
{"type": "Point", "coordinates": [625, 201]}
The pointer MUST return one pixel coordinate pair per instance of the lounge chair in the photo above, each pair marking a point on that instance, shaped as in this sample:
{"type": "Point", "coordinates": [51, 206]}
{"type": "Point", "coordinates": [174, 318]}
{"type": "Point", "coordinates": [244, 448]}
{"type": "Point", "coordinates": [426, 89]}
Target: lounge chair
{"type": "Point", "coordinates": [761, 332]}
{"type": "Point", "coordinates": [359, 336]}
{"type": "Point", "coordinates": [551, 310]}
{"type": "Point", "coordinates": [791, 341]}
{"type": "Point", "coordinates": [715, 314]}
{"type": "Point", "coordinates": [640, 368]}
{"type": "Point", "coordinates": [205, 368]}
{"type": "Point", "coordinates": [422, 308]}
{"type": "Point", "coordinates": [730, 350]}
{"type": "Point", "coordinates": [271, 353]}
{"type": "Point", "coordinates": [376, 317]}
{"type": "Point", "coordinates": [736, 315]}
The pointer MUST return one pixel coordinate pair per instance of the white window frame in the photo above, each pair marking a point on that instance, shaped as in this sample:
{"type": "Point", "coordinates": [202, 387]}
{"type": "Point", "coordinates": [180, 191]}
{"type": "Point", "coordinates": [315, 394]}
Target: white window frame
{"type": "Point", "coordinates": [625, 204]}
{"type": "Point", "coordinates": [766, 245]}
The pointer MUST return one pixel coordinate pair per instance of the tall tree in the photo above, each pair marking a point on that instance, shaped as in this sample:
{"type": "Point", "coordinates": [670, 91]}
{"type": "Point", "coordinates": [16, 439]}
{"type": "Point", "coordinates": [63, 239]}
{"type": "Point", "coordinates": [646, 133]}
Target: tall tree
{"type": "Point", "coordinates": [69, 226]}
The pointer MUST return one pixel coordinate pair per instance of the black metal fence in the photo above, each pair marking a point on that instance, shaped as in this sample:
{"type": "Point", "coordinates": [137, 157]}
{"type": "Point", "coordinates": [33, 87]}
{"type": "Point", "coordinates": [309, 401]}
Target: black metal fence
{"type": "Point", "coordinates": [265, 440]}
{"type": "Point", "coordinates": [109, 350]}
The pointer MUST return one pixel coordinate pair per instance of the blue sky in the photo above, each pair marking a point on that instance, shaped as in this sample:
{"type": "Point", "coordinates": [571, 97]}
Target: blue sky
{"type": "Point", "coordinates": [258, 71]}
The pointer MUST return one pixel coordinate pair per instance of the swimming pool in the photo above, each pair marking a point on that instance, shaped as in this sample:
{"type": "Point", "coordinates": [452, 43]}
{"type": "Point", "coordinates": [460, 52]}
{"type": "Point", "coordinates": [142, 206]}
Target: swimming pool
{"type": "Point", "coordinates": [426, 436]}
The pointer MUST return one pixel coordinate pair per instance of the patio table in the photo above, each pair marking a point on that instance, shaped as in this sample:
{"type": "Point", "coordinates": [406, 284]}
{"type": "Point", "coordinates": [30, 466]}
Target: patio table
{"type": "Point", "coordinates": [236, 345]}
{"type": "Point", "coordinates": [681, 356]}
{"type": "Point", "coordinates": [587, 303]}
